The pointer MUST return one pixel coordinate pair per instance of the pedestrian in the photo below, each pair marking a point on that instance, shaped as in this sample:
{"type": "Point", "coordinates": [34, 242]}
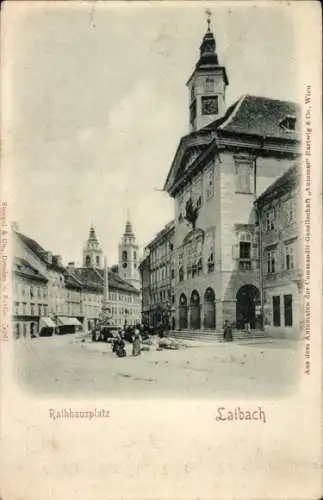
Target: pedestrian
{"type": "Point", "coordinates": [136, 343]}
{"type": "Point", "coordinates": [227, 331]}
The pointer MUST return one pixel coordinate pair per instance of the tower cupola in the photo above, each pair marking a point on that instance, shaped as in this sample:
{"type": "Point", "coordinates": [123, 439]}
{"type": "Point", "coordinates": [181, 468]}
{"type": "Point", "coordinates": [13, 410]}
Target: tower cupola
{"type": "Point", "coordinates": [92, 253]}
{"type": "Point", "coordinates": [128, 256]}
{"type": "Point", "coordinates": [207, 84]}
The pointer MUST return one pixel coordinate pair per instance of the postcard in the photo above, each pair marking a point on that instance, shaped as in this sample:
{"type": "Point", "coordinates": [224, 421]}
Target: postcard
{"type": "Point", "coordinates": [161, 258]}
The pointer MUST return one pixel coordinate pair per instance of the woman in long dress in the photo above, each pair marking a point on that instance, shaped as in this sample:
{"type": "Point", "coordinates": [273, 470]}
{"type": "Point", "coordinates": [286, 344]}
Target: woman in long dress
{"type": "Point", "coordinates": [136, 343]}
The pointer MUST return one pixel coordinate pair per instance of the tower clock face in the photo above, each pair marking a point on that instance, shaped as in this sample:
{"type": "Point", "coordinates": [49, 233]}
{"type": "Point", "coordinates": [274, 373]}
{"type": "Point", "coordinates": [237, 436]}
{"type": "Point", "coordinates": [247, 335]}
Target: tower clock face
{"type": "Point", "coordinates": [210, 105]}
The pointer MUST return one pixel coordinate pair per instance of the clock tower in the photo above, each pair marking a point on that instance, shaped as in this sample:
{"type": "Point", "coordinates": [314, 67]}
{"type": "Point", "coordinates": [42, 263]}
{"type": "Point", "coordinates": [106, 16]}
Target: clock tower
{"type": "Point", "coordinates": [207, 84]}
{"type": "Point", "coordinates": [128, 257]}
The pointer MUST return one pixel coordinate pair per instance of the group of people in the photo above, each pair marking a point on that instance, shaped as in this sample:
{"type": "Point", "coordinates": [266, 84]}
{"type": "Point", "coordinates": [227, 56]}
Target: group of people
{"type": "Point", "coordinates": [119, 344]}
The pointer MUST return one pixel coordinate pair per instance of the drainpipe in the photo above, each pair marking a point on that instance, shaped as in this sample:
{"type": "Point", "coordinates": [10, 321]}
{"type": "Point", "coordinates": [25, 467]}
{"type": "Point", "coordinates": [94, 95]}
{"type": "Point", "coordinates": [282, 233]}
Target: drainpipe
{"type": "Point", "coordinates": [260, 242]}
{"type": "Point", "coordinates": [260, 265]}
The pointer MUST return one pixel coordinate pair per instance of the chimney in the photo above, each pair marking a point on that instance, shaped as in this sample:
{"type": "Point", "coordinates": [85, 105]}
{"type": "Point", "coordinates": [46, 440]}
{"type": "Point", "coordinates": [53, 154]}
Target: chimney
{"type": "Point", "coordinates": [71, 266]}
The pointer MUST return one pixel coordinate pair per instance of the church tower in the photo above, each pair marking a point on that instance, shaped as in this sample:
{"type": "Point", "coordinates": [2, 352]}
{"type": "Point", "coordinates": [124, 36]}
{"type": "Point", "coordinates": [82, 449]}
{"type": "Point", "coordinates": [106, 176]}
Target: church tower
{"type": "Point", "coordinates": [128, 257]}
{"type": "Point", "coordinates": [92, 253]}
{"type": "Point", "coordinates": [207, 84]}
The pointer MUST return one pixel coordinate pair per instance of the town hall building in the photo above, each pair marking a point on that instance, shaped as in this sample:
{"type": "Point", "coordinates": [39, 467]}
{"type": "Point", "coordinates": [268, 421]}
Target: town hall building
{"type": "Point", "coordinates": [230, 156]}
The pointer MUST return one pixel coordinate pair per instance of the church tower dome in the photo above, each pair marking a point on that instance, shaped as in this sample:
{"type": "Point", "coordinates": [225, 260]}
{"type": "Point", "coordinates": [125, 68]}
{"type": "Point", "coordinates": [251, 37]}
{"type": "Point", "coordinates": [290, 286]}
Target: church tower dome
{"type": "Point", "coordinates": [92, 253]}
{"type": "Point", "coordinates": [207, 84]}
{"type": "Point", "coordinates": [128, 257]}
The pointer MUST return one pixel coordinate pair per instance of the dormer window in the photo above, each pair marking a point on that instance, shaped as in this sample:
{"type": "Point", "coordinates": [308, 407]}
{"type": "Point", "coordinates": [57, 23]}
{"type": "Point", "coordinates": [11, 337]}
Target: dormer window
{"type": "Point", "coordinates": [288, 123]}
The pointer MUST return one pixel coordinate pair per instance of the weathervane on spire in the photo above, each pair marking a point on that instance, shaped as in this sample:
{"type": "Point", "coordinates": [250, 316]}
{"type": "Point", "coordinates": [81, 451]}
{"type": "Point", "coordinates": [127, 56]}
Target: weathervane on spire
{"type": "Point", "coordinates": [208, 19]}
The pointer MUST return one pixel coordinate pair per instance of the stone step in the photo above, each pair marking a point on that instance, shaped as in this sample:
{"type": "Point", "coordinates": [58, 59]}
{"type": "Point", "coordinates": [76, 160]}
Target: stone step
{"type": "Point", "coordinates": [216, 336]}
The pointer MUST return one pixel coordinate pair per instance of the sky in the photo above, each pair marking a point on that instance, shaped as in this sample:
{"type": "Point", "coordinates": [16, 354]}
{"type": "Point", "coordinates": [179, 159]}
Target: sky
{"type": "Point", "coordinates": [98, 104]}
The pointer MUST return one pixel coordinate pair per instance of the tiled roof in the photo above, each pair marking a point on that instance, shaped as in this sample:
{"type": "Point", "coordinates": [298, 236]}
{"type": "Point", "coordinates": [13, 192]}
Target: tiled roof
{"type": "Point", "coordinates": [287, 180]}
{"type": "Point", "coordinates": [260, 116]}
{"type": "Point", "coordinates": [22, 267]}
{"type": "Point", "coordinates": [72, 281]}
{"type": "Point", "coordinates": [118, 283]}
{"type": "Point", "coordinates": [39, 251]}
{"type": "Point", "coordinates": [93, 278]}
{"type": "Point", "coordinates": [169, 227]}
{"type": "Point", "coordinates": [89, 278]}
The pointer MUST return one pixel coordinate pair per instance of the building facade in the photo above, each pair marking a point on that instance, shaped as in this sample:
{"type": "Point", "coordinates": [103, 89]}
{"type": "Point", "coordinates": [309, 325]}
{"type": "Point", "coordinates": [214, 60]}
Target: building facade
{"type": "Point", "coordinates": [229, 158]}
{"type": "Point", "coordinates": [279, 209]}
{"type": "Point", "coordinates": [144, 269]}
{"type": "Point", "coordinates": [49, 297]}
{"type": "Point", "coordinates": [123, 298]}
{"type": "Point", "coordinates": [158, 279]}
{"type": "Point", "coordinates": [30, 298]}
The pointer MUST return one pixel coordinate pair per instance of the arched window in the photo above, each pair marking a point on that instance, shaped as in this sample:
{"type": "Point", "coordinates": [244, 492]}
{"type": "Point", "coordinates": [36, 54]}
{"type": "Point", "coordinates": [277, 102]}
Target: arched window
{"type": "Point", "coordinates": [97, 260]}
{"type": "Point", "coordinates": [210, 263]}
{"type": "Point", "coordinates": [181, 274]}
{"type": "Point", "coordinates": [199, 267]}
{"type": "Point", "coordinates": [88, 260]}
{"type": "Point", "coordinates": [124, 255]}
{"type": "Point", "coordinates": [134, 255]}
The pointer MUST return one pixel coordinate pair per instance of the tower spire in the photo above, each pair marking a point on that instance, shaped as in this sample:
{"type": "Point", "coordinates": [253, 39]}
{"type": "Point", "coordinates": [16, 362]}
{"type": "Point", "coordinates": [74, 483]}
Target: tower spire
{"type": "Point", "coordinates": [208, 19]}
{"type": "Point", "coordinates": [207, 83]}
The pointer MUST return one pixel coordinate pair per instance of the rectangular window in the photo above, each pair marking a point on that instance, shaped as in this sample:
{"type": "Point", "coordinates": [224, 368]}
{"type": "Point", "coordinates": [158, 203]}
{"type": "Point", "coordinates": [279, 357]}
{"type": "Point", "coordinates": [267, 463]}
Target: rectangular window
{"type": "Point", "coordinates": [39, 309]}
{"type": "Point", "coordinates": [16, 308]}
{"type": "Point", "coordinates": [288, 310]}
{"type": "Point", "coordinates": [244, 255]}
{"type": "Point", "coordinates": [276, 310]}
{"type": "Point", "coordinates": [289, 256]}
{"type": "Point", "coordinates": [245, 250]}
{"type": "Point", "coordinates": [270, 220]}
{"type": "Point", "coordinates": [290, 211]}
{"type": "Point", "coordinates": [32, 309]}
{"type": "Point", "coordinates": [244, 176]}
{"type": "Point", "coordinates": [271, 261]}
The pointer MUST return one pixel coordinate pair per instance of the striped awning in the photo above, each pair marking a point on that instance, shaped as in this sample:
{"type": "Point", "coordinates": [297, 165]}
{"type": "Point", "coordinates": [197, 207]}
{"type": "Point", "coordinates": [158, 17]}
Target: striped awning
{"type": "Point", "coordinates": [65, 321]}
{"type": "Point", "coordinates": [46, 322]}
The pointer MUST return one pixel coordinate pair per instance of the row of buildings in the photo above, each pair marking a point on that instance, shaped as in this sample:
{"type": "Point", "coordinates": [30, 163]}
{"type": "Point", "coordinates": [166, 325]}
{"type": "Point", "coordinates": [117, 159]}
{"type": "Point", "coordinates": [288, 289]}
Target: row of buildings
{"type": "Point", "coordinates": [234, 249]}
{"type": "Point", "coordinates": [48, 296]}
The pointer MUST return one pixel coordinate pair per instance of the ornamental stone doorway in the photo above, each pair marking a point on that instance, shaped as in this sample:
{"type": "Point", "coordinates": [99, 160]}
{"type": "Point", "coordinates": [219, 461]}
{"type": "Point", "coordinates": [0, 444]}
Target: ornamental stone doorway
{"type": "Point", "coordinates": [248, 296]}
{"type": "Point", "coordinates": [209, 310]}
{"type": "Point", "coordinates": [183, 312]}
{"type": "Point", "coordinates": [195, 308]}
